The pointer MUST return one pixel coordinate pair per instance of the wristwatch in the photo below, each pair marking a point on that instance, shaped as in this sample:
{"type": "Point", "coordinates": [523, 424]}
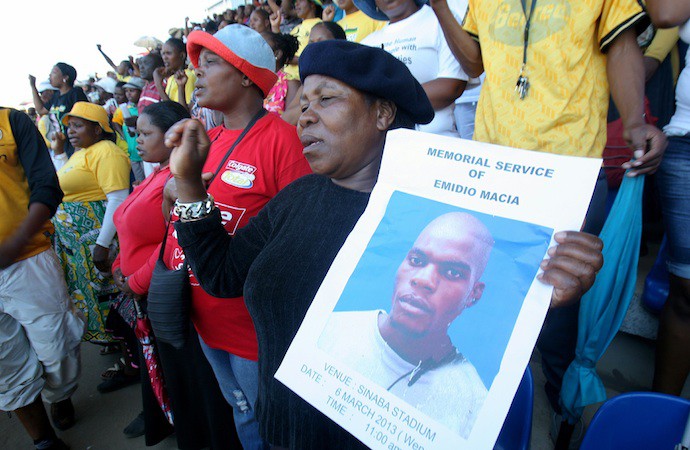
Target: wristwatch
{"type": "Point", "coordinates": [194, 210]}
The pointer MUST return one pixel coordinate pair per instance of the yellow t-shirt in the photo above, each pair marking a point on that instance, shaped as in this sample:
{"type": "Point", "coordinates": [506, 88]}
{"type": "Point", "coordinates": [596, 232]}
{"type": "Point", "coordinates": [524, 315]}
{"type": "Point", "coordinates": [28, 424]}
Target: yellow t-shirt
{"type": "Point", "coordinates": [15, 194]}
{"type": "Point", "coordinates": [118, 118]}
{"type": "Point", "coordinates": [171, 87]}
{"type": "Point", "coordinates": [663, 44]}
{"type": "Point", "coordinates": [121, 143]}
{"type": "Point", "coordinates": [124, 78]}
{"type": "Point", "coordinates": [301, 32]}
{"type": "Point", "coordinates": [44, 127]}
{"type": "Point", "coordinates": [565, 109]}
{"type": "Point", "coordinates": [358, 25]}
{"type": "Point", "coordinates": [93, 172]}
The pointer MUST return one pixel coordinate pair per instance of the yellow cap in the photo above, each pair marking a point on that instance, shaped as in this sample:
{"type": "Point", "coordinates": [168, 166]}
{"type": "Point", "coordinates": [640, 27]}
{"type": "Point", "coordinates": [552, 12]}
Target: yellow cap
{"type": "Point", "coordinates": [91, 112]}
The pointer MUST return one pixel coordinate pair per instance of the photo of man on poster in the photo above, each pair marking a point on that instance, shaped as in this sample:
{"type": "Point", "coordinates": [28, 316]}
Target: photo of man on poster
{"type": "Point", "coordinates": [408, 350]}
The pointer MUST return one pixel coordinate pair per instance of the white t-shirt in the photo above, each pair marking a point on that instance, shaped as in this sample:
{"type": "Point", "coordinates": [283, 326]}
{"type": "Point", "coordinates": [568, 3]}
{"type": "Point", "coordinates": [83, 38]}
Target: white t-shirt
{"type": "Point", "coordinates": [452, 393]}
{"type": "Point", "coordinates": [680, 122]}
{"type": "Point", "coordinates": [474, 85]}
{"type": "Point", "coordinates": [418, 41]}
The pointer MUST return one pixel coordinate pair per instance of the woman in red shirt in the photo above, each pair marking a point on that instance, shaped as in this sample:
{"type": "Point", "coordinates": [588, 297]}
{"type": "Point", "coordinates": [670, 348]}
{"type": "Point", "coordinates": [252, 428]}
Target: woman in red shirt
{"type": "Point", "coordinates": [201, 415]}
{"type": "Point", "coordinates": [250, 171]}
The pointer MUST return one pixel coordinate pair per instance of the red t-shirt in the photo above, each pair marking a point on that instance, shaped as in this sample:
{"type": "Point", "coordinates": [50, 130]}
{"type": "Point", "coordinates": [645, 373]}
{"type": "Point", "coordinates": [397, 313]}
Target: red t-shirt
{"type": "Point", "coordinates": [149, 95]}
{"type": "Point", "coordinates": [140, 228]}
{"type": "Point", "coordinates": [268, 159]}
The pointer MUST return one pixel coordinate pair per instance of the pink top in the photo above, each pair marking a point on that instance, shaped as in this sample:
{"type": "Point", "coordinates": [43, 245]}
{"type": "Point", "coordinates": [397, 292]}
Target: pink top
{"type": "Point", "coordinates": [149, 95]}
{"type": "Point", "coordinates": [275, 100]}
{"type": "Point", "coordinates": [140, 228]}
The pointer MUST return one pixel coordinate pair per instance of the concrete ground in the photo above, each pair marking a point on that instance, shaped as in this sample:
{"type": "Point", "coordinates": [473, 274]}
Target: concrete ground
{"type": "Point", "coordinates": [100, 417]}
{"type": "Point", "coordinates": [626, 366]}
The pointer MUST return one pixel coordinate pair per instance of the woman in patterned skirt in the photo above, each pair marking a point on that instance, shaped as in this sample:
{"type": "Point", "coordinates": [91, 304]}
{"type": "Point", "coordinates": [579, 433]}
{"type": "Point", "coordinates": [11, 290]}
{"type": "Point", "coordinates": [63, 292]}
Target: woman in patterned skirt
{"type": "Point", "coordinates": [95, 181]}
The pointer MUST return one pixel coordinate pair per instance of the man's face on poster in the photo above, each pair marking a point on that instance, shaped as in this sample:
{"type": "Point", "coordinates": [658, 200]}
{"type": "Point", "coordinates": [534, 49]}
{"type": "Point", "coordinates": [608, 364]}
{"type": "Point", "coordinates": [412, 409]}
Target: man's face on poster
{"type": "Point", "coordinates": [439, 278]}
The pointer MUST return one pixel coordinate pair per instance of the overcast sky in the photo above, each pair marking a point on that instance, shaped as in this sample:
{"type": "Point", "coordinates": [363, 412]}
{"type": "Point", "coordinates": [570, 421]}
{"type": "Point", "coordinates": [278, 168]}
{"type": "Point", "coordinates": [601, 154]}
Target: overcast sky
{"type": "Point", "coordinates": [37, 34]}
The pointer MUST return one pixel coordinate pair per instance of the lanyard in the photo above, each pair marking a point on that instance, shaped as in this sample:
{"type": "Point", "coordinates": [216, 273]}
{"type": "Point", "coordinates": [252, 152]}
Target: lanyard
{"type": "Point", "coordinates": [522, 85]}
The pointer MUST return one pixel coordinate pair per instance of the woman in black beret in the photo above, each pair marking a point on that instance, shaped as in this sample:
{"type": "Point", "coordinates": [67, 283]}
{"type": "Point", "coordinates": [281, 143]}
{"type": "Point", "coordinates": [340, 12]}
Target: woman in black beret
{"type": "Point", "coordinates": [352, 96]}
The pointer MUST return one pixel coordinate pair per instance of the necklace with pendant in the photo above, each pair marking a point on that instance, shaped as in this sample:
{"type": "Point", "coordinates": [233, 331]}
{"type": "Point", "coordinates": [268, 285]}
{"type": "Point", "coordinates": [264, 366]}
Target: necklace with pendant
{"type": "Point", "coordinates": [522, 85]}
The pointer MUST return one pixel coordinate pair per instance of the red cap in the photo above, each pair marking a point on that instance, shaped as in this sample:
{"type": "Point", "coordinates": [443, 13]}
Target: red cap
{"type": "Point", "coordinates": [242, 47]}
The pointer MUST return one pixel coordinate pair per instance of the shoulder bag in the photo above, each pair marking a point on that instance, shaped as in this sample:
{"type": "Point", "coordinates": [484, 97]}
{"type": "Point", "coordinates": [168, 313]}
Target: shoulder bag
{"type": "Point", "coordinates": [169, 297]}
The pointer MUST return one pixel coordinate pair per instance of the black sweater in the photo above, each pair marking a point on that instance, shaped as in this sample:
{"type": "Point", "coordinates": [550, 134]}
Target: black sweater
{"type": "Point", "coordinates": [278, 262]}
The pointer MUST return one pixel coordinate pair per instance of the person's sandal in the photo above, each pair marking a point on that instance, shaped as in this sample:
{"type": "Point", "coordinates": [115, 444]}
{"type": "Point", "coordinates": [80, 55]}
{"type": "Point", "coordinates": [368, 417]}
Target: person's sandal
{"type": "Point", "coordinates": [112, 371]}
{"type": "Point", "coordinates": [117, 379]}
{"type": "Point", "coordinates": [62, 414]}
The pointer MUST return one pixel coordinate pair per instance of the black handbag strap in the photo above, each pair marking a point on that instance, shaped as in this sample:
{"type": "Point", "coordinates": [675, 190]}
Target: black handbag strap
{"type": "Point", "coordinates": [167, 228]}
{"type": "Point", "coordinates": [262, 112]}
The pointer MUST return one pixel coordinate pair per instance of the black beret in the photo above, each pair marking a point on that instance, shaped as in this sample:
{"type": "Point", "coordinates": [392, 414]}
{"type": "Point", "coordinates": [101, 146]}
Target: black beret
{"type": "Point", "coordinates": [371, 70]}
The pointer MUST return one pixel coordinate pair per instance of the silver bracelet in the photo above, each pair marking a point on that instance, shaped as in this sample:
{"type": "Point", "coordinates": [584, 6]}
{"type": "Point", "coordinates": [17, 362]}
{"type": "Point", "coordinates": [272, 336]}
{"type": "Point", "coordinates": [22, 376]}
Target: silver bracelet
{"type": "Point", "coordinates": [194, 210]}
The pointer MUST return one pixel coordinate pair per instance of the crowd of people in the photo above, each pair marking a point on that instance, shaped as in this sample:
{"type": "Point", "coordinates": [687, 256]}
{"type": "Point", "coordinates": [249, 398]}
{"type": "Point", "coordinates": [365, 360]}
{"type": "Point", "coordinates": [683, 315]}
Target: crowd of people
{"type": "Point", "coordinates": [242, 151]}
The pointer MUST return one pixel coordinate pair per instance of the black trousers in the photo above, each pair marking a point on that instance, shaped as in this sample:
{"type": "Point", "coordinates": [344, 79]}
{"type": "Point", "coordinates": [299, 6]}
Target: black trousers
{"type": "Point", "coordinates": [558, 338]}
{"type": "Point", "coordinates": [203, 419]}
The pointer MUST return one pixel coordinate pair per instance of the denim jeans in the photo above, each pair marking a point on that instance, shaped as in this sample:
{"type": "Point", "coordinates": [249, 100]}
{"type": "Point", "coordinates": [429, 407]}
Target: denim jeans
{"type": "Point", "coordinates": [238, 379]}
{"type": "Point", "coordinates": [464, 118]}
{"type": "Point", "coordinates": [673, 180]}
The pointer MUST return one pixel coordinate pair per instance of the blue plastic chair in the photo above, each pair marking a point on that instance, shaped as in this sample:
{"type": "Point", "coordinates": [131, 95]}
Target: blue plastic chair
{"type": "Point", "coordinates": [638, 420]}
{"type": "Point", "coordinates": [517, 429]}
